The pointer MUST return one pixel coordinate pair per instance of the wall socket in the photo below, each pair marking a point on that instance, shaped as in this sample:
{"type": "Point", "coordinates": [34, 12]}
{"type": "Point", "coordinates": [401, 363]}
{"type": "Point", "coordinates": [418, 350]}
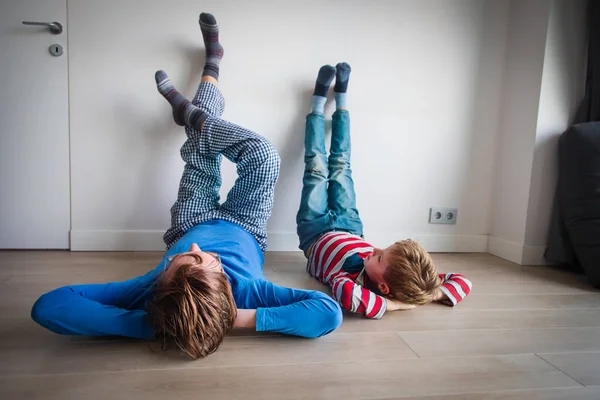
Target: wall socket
{"type": "Point", "coordinates": [442, 215]}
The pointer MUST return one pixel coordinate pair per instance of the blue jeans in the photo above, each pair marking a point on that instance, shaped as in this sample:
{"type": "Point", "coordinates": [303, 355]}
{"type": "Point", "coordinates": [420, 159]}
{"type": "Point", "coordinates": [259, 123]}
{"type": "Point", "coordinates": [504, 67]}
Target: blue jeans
{"type": "Point", "coordinates": [328, 200]}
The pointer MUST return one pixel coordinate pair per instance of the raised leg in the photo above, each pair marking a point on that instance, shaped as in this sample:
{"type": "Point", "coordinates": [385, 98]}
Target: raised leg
{"type": "Point", "coordinates": [250, 201]}
{"type": "Point", "coordinates": [313, 217]}
{"type": "Point", "coordinates": [193, 114]}
{"type": "Point", "coordinates": [341, 194]}
{"type": "Point", "coordinates": [198, 195]}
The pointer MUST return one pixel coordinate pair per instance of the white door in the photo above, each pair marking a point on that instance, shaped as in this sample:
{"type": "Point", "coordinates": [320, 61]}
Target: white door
{"type": "Point", "coordinates": [34, 127]}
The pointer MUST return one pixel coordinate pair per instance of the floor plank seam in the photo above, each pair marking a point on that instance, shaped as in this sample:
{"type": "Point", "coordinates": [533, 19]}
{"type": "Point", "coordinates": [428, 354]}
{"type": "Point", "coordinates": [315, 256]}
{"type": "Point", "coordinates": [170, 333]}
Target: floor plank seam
{"type": "Point", "coordinates": [407, 345]}
{"type": "Point", "coordinates": [558, 369]}
{"type": "Point", "coordinates": [486, 392]}
{"type": "Point", "coordinates": [542, 353]}
{"type": "Point", "coordinates": [8, 376]}
{"type": "Point", "coordinates": [208, 367]}
{"type": "Point", "coordinates": [467, 356]}
{"type": "Point", "coordinates": [391, 330]}
{"type": "Point", "coordinates": [498, 329]}
{"type": "Point", "coordinates": [522, 309]}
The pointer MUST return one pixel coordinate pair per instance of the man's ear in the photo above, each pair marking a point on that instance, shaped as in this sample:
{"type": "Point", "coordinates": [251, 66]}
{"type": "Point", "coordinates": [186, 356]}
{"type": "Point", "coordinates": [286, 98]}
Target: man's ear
{"type": "Point", "coordinates": [383, 288]}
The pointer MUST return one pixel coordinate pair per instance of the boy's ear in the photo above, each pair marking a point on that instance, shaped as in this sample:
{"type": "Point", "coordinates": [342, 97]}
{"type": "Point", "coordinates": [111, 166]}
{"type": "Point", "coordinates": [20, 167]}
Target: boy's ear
{"type": "Point", "coordinates": [383, 288]}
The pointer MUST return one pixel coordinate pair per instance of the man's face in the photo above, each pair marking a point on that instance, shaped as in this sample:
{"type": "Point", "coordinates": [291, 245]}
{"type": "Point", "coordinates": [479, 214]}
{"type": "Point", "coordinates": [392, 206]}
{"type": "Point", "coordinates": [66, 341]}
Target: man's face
{"type": "Point", "coordinates": [210, 261]}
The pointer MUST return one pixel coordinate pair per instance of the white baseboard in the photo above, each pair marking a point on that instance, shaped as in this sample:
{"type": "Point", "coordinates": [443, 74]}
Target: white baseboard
{"type": "Point", "coordinates": [117, 241]}
{"type": "Point", "coordinates": [278, 241]}
{"type": "Point", "coordinates": [283, 241]}
{"type": "Point", "coordinates": [517, 253]}
{"type": "Point", "coordinates": [510, 251]}
{"type": "Point", "coordinates": [453, 243]}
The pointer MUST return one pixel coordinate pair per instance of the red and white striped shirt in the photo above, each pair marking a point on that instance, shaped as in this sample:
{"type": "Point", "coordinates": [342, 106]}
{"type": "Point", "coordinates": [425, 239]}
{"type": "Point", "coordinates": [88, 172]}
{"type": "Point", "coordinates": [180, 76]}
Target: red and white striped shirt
{"type": "Point", "coordinates": [326, 259]}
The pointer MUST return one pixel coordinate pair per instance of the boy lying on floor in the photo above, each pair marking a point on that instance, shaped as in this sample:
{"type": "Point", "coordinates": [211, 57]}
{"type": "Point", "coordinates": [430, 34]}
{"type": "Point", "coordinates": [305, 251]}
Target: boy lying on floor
{"type": "Point", "coordinates": [363, 279]}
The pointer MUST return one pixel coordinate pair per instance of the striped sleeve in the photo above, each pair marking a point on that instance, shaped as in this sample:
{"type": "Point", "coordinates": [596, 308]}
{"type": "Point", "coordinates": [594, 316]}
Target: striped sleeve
{"type": "Point", "coordinates": [456, 287]}
{"type": "Point", "coordinates": [355, 298]}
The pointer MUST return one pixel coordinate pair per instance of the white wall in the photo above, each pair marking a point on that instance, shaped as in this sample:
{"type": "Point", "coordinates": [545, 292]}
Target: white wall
{"type": "Point", "coordinates": [424, 95]}
{"type": "Point", "coordinates": [543, 78]}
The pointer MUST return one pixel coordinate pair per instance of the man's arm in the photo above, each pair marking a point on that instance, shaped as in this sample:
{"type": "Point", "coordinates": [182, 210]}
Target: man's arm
{"type": "Point", "coordinates": [93, 310]}
{"type": "Point", "coordinates": [455, 287]}
{"type": "Point", "coordinates": [273, 308]}
{"type": "Point", "coordinates": [357, 299]}
{"type": "Point", "coordinates": [245, 319]}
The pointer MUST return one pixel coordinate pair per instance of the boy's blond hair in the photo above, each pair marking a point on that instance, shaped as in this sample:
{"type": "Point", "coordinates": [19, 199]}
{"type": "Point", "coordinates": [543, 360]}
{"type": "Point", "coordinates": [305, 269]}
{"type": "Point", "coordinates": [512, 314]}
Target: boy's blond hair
{"type": "Point", "coordinates": [411, 274]}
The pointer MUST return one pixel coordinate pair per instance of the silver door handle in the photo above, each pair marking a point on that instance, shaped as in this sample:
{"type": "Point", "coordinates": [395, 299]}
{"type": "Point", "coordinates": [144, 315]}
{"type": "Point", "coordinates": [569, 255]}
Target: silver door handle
{"type": "Point", "coordinates": [55, 27]}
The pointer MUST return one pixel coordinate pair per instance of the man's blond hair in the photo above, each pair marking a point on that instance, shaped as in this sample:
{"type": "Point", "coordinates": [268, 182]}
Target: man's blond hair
{"type": "Point", "coordinates": [411, 274]}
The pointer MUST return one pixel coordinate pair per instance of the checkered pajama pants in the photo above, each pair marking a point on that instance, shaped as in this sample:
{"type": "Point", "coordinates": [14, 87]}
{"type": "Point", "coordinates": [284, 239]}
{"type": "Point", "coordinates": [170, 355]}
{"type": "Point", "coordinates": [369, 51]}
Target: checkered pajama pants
{"type": "Point", "coordinates": [250, 201]}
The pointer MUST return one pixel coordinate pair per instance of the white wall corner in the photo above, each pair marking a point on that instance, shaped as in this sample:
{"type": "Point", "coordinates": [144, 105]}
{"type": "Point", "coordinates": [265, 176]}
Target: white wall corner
{"type": "Point", "coordinates": [505, 249]}
{"type": "Point", "coordinates": [534, 255]}
{"type": "Point", "coordinates": [517, 253]}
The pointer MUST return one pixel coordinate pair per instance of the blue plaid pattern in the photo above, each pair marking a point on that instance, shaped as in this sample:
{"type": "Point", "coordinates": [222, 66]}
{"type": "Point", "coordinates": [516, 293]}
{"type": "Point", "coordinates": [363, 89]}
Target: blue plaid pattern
{"type": "Point", "coordinates": [250, 202]}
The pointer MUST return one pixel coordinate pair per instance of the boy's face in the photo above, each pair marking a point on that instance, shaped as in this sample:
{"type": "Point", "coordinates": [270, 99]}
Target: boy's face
{"type": "Point", "coordinates": [375, 266]}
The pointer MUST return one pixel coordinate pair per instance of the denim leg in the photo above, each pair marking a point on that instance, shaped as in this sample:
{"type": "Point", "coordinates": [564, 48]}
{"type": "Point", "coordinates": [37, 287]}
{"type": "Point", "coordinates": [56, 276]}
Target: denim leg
{"type": "Point", "coordinates": [341, 194]}
{"type": "Point", "coordinates": [313, 216]}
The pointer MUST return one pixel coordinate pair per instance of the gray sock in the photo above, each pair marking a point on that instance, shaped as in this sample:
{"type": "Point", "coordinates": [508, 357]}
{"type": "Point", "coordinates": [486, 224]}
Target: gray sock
{"type": "Point", "coordinates": [214, 50]}
{"type": "Point", "coordinates": [184, 112]}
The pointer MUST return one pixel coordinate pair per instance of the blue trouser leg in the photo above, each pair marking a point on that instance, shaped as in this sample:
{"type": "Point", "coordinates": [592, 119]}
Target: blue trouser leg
{"type": "Point", "coordinates": [328, 199]}
{"type": "Point", "coordinates": [313, 215]}
{"type": "Point", "coordinates": [342, 197]}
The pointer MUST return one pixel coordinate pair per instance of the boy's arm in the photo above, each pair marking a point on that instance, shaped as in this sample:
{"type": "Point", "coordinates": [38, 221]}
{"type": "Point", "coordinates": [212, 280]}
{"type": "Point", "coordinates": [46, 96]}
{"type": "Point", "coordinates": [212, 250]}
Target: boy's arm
{"type": "Point", "coordinates": [455, 287]}
{"type": "Point", "coordinates": [356, 298]}
{"type": "Point", "coordinates": [395, 305]}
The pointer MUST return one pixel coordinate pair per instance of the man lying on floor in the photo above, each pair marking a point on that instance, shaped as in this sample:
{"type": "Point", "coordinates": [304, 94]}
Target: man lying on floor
{"type": "Point", "coordinates": [210, 279]}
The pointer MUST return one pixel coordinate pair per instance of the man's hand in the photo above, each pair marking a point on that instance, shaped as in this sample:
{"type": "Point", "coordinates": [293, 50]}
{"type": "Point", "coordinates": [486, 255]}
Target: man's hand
{"type": "Point", "coordinates": [245, 319]}
{"type": "Point", "coordinates": [394, 305]}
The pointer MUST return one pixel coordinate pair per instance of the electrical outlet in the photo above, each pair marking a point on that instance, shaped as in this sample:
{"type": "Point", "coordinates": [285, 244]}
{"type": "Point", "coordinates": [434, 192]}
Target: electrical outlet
{"type": "Point", "coordinates": [442, 215]}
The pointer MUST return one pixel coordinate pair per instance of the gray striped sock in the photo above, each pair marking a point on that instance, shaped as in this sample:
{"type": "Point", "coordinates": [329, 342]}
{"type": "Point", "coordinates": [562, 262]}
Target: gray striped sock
{"type": "Point", "coordinates": [214, 50]}
{"type": "Point", "coordinates": [184, 112]}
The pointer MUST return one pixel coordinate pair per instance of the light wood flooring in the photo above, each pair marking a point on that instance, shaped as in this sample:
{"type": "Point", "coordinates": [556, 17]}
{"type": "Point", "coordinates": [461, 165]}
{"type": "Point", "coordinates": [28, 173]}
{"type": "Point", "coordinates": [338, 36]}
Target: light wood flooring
{"type": "Point", "coordinates": [524, 333]}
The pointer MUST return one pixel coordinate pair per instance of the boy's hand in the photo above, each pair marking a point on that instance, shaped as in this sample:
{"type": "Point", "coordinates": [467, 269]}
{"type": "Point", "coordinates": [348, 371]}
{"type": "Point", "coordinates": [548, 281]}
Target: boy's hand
{"type": "Point", "coordinates": [394, 305]}
{"type": "Point", "coordinates": [439, 295]}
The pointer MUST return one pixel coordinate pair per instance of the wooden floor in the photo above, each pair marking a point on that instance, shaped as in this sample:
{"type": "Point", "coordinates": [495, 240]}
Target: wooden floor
{"type": "Point", "coordinates": [524, 333]}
